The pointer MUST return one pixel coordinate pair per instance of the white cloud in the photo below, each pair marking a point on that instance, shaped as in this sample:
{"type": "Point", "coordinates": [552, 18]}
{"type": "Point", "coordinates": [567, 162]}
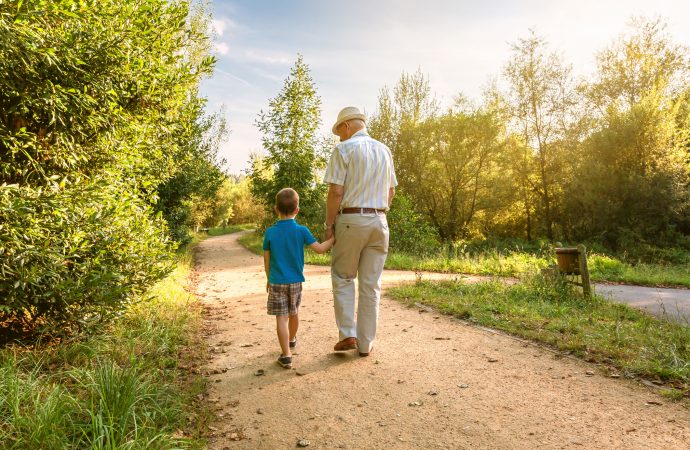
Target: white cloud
{"type": "Point", "coordinates": [218, 26]}
{"type": "Point", "coordinates": [221, 48]}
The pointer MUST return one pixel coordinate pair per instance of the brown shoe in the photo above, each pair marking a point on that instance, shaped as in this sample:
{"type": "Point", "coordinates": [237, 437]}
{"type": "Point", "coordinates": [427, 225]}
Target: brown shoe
{"type": "Point", "coordinates": [346, 344]}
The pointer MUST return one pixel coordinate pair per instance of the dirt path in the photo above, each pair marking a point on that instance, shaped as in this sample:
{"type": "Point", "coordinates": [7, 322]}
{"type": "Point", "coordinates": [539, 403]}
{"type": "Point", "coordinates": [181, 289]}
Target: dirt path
{"type": "Point", "coordinates": [432, 382]}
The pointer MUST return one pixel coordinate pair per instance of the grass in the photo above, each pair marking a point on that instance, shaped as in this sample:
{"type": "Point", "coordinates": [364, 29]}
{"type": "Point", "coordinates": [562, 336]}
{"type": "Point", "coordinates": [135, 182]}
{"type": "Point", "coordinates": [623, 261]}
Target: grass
{"type": "Point", "coordinates": [626, 341]}
{"type": "Point", "coordinates": [129, 387]}
{"type": "Point", "coordinates": [516, 263]}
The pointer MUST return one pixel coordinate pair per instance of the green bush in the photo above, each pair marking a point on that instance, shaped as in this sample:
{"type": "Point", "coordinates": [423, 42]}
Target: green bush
{"type": "Point", "coordinates": [409, 232]}
{"type": "Point", "coordinates": [75, 253]}
{"type": "Point", "coordinates": [99, 107]}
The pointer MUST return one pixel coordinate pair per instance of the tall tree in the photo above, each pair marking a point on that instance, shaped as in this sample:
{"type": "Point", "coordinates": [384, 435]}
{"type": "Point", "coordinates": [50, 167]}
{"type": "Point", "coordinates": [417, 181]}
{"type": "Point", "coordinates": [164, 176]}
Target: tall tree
{"type": "Point", "coordinates": [295, 154]}
{"type": "Point", "coordinates": [632, 180]}
{"type": "Point", "coordinates": [540, 98]}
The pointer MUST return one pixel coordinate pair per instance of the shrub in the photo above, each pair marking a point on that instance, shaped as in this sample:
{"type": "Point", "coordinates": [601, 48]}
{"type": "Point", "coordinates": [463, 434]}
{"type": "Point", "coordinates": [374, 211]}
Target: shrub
{"type": "Point", "coordinates": [409, 232]}
{"type": "Point", "coordinates": [75, 253]}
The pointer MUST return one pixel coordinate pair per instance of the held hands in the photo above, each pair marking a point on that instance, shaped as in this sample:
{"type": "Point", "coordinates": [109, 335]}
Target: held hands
{"type": "Point", "coordinates": [329, 234]}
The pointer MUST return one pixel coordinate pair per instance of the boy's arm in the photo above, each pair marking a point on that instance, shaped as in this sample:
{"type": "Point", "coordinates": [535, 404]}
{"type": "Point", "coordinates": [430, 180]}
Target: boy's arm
{"type": "Point", "coordinates": [267, 265]}
{"type": "Point", "coordinates": [324, 246]}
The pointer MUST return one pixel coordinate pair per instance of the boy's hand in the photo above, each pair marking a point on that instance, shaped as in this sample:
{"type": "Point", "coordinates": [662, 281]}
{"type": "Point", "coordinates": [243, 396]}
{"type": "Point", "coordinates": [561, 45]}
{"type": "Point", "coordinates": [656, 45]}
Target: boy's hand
{"type": "Point", "coordinates": [267, 286]}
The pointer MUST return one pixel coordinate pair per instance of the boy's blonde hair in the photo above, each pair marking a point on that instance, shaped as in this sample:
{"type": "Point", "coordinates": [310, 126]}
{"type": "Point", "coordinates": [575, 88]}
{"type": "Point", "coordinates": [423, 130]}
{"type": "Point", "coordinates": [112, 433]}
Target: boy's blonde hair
{"type": "Point", "coordinates": [287, 201]}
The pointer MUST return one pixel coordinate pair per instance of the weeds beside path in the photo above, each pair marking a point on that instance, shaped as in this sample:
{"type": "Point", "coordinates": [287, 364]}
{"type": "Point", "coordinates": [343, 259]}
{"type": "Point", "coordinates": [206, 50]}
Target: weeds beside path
{"type": "Point", "coordinates": [133, 385]}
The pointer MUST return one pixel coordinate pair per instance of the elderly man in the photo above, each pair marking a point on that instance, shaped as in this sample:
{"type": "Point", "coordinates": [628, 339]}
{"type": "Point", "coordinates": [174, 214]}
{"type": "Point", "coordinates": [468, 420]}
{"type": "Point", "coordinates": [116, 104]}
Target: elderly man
{"type": "Point", "coordinates": [362, 185]}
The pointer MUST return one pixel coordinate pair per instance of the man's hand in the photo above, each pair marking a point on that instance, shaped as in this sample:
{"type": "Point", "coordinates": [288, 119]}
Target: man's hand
{"type": "Point", "coordinates": [267, 287]}
{"type": "Point", "coordinates": [328, 234]}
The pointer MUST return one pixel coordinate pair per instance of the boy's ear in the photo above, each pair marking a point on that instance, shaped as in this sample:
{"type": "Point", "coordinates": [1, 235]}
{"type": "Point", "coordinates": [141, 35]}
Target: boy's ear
{"type": "Point", "coordinates": [275, 209]}
{"type": "Point", "coordinates": [297, 210]}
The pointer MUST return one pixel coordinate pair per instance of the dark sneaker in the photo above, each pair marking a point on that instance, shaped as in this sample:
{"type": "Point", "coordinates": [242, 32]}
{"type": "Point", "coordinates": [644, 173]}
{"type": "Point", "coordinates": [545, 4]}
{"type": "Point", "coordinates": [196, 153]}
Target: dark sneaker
{"type": "Point", "coordinates": [293, 344]}
{"type": "Point", "coordinates": [285, 362]}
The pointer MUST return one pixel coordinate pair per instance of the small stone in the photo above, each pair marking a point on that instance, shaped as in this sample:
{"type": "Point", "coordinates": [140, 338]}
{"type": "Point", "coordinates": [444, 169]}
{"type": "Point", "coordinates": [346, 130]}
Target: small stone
{"type": "Point", "coordinates": [589, 373]}
{"type": "Point", "coordinates": [493, 360]}
{"type": "Point", "coordinates": [433, 392]}
{"type": "Point", "coordinates": [303, 443]}
{"type": "Point", "coordinates": [259, 411]}
{"type": "Point", "coordinates": [615, 375]}
{"type": "Point", "coordinates": [260, 372]}
{"type": "Point", "coordinates": [247, 345]}
{"type": "Point", "coordinates": [442, 338]}
{"type": "Point", "coordinates": [653, 402]}
{"type": "Point", "coordinates": [415, 403]}
{"type": "Point", "coordinates": [401, 381]}
{"type": "Point", "coordinates": [463, 386]}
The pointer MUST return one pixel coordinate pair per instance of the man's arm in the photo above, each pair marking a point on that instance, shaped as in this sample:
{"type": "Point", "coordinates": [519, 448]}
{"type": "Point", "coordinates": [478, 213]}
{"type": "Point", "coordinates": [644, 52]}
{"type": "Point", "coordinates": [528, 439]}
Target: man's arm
{"type": "Point", "coordinates": [391, 194]}
{"type": "Point", "coordinates": [335, 197]}
{"type": "Point", "coordinates": [267, 265]}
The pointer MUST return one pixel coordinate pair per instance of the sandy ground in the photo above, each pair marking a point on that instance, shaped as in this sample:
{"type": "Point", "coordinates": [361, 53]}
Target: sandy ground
{"type": "Point", "coordinates": [432, 382]}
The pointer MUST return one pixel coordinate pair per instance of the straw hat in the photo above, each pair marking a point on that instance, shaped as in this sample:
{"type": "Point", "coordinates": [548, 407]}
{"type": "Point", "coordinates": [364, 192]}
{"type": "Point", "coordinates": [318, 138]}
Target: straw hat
{"type": "Point", "coordinates": [349, 113]}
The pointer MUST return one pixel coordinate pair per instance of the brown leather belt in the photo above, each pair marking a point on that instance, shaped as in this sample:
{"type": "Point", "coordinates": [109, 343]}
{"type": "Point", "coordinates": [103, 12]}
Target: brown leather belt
{"type": "Point", "coordinates": [361, 211]}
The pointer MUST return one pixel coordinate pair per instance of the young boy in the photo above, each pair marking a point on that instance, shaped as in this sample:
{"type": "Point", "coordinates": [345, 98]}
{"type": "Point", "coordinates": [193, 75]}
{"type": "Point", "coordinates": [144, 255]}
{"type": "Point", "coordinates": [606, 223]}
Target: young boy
{"type": "Point", "coordinates": [284, 264]}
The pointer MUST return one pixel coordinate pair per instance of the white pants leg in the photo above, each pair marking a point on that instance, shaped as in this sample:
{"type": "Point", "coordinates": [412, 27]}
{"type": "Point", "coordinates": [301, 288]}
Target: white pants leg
{"type": "Point", "coordinates": [360, 251]}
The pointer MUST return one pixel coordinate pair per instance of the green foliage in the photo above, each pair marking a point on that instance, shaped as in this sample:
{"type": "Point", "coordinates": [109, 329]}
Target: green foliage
{"type": "Point", "coordinates": [409, 232]}
{"type": "Point", "coordinates": [74, 255]}
{"type": "Point", "coordinates": [548, 311]}
{"type": "Point", "coordinates": [84, 85]}
{"type": "Point", "coordinates": [295, 153]}
{"type": "Point", "coordinates": [189, 197]}
{"type": "Point", "coordinates": [123, 388]}
{"type": "Point", "coordinates": [98, 108]}
{"type": "Point", "coordinates": [605, 161]}
{"type": "Point", "coordinates": [235, 204]}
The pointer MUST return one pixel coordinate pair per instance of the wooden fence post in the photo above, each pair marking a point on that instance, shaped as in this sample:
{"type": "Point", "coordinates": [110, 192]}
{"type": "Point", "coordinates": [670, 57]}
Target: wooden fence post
{"type": "Point", "coordinates": [584, 271]}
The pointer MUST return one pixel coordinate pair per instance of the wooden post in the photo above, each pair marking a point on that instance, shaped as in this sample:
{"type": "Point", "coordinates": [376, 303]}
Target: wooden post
{"type": "Point", "coordinates": [584, 271]}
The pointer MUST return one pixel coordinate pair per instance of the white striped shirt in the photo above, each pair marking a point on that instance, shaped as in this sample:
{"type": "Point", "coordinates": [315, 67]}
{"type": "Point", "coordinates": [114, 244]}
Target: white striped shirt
{"type": "Point", "coordinates": [364, 167]}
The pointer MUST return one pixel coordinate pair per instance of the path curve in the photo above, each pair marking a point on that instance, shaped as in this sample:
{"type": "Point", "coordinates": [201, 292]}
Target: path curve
{"type": "Point", "coordinates": [431, 383]}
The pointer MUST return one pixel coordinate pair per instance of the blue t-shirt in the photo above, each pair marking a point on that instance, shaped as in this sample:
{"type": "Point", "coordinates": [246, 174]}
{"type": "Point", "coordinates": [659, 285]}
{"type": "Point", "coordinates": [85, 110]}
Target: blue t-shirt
{"type": "Point", "coordinates": [286, 240]}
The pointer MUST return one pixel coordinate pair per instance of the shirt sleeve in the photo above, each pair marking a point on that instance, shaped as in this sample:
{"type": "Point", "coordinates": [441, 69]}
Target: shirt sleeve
{"type": "Point", "coordinates": [336, 170]}
{"type": "Point", "coordinates": [394, 179]}
{"type": "Point", "coordinates": [267, 241]}
{"type": "Point", "coordinates": [308, 237]}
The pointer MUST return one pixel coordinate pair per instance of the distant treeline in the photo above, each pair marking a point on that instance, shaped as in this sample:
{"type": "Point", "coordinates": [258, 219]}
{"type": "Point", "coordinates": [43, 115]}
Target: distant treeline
{"type": "Point", "coordinates": [545, 155]}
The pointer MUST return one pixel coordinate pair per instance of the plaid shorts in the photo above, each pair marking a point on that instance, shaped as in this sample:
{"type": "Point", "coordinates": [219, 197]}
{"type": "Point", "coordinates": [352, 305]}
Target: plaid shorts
{"type": "Point", "coordinates": [284, 299]}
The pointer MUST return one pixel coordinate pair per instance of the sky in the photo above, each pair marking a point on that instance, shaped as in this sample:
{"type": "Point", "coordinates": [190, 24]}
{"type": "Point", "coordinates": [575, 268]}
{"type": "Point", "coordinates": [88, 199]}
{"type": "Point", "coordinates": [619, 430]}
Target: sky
{"type": "Point", "coordinates": [355, 48]}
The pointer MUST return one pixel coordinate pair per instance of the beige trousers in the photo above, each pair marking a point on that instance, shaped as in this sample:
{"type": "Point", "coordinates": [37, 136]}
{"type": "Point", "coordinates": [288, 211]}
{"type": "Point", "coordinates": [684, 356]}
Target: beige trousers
{"type": "Point", "coordinates": [361, 247]}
